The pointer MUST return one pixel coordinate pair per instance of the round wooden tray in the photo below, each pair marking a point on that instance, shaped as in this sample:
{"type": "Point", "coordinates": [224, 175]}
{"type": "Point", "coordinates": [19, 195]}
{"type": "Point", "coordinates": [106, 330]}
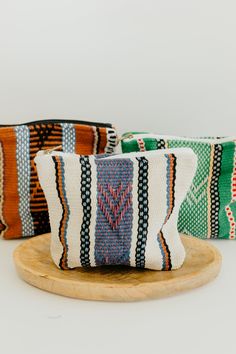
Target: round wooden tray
{"type": "Point", "coordinates": [34, 265]}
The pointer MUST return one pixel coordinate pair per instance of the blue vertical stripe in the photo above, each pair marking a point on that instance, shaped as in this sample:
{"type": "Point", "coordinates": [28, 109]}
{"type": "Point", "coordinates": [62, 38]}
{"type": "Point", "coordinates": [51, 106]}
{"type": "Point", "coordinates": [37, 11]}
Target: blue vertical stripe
{"type": "Point", "coordinates": [113, 232]}
{"type": "Point", "coordinates": [68, 137]}
{"type": "Point", "coordinates": [23, 169]}
{"type": "Point", "coordinates": [167, 182]}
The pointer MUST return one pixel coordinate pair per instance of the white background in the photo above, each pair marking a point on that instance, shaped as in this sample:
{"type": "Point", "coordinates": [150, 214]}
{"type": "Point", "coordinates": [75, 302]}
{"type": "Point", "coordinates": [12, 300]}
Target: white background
{"type": "Point", "coordinates": [166, 66]}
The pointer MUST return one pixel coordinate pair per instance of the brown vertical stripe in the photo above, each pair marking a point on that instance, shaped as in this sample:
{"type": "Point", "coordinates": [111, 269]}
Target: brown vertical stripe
{"type": "Point", "coordinates": [10, 184]}
{"type": "Point", "coordinates": [84, 139]}
{"type": "Point", "coordinates": [103, 140]}
{"type": "Point", "coordinates": [167, 259]}
{"type": "Point", "coordinates": [3, 226]}
{"type": "Point", "coordinates": [171, 183]}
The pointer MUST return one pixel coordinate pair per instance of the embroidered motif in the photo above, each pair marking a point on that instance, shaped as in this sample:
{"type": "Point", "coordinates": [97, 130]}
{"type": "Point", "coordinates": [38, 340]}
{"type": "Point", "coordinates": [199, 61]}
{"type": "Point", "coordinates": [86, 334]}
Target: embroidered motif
{"type": "Point", "coordinates": [115, 210]}
{"type": "Point", "coordinates": [193, 197]}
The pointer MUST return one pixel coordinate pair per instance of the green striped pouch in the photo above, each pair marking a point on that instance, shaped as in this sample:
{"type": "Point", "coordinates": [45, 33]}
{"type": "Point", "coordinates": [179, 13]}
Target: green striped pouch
{"type": "Point", "coordinates": [209, 209]}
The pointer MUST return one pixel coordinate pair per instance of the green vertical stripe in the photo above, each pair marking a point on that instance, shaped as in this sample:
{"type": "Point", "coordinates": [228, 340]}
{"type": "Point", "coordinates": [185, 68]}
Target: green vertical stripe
{"type": "Point", "coordinates": [225, 183]}
{"type": "Point", "coordinates": [151, 143]}
{"type": "Point", "coordinates": [193, 216]}
{"type": "Point", "coordinates": [130, 146]}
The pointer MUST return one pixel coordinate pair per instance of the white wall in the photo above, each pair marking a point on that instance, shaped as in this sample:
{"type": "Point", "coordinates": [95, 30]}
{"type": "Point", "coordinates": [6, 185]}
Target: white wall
{"type": "Point", "coordinates": [162, 65]}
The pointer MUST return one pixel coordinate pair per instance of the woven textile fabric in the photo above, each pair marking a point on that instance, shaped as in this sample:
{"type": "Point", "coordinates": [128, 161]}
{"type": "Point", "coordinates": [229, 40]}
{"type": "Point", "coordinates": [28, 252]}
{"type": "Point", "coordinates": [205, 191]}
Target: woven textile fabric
{"type": "Point", "coordinates": [209, 210]}
{"type": "Point", "coordinates": [23, 208]}
{"type": "Point", "coordinates": [118, 210]}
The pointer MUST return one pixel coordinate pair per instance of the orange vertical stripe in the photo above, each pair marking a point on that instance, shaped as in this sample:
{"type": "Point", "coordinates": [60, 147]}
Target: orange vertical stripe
{"type": "Point", "coordinates": [10, 184]}
{"type": "Point", "coordinates": [84, 139]}
{"type": "Point", "coordinates": [62, 229]}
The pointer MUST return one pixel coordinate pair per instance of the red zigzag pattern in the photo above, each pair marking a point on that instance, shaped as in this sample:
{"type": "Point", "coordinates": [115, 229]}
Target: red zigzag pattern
{"type": "Point", "coordinates": [114, 211]}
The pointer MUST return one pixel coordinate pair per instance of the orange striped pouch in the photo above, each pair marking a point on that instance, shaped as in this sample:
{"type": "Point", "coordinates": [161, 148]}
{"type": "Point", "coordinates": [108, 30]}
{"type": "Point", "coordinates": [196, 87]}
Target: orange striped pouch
{"type": "Point", "coordinates": [23, 208]}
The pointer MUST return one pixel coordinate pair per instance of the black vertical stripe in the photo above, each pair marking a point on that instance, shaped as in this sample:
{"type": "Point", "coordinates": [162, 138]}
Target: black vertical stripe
{"type": "Point", "coordinates": [85, 190]}
{"type": "Point", "coordinates": [166, 250]}
{"type": "Point", "coordinates": [160, 144]}
{"type": "Point", "coordinates": [143, 212]}
{"type": "Point", "coordinates": [98, 139]}
{"type": "Point", "coordinates": [214, 188]}
{"type": "Point", "coordinates": [57, 168]}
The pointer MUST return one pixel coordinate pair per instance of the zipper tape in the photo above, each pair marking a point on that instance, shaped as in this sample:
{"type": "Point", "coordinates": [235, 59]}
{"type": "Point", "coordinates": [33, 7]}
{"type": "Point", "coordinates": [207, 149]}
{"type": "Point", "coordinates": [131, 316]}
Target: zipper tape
{"type": "Point", "coordinates": [58, 121]}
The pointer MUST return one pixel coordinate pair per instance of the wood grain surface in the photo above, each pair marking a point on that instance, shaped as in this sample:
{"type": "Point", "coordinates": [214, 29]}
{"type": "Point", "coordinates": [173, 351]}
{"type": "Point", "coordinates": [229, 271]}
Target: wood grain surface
{"type": "Point", "coordinates": [116, 283]}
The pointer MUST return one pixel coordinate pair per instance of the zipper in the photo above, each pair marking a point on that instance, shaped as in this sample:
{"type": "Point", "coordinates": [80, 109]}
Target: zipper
{"type": "Point", "coordinates": [131, 137]}
{"type": "Point", "coordinates": [58, 121]}
{"type": "Point", "coordinates": [49, 151]}
{"type": "Point", "coordinates": [116, 156]}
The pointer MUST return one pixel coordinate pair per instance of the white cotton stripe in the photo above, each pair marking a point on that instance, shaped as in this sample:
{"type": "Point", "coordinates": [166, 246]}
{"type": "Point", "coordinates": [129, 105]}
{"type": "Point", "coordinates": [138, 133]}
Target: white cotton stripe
{"type": "Point", "coordinates": [72, 188]}
{"type": "Point", "coordinates": [157, 211]}
{"type": "Point", "coordinates": [95, 143]}
{"type": "Point", "coordinates": [161, 184]}
{"type": "Point", "coordinates": [185, 170]}
{"type": "Point", "coordinates": [111, 141]}
{"type": "Point", "coordinates": [176, 248]}
{"type": "Point", "coordinates": [135, 213]}
{"type": "Point", "coordinates": [93, 210]}
{"type": "Point", "coordinates": [47, 178]}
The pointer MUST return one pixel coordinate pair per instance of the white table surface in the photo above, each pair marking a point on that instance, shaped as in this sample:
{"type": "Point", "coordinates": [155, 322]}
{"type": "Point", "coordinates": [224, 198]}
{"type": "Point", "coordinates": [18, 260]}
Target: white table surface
{"type": "Point", "coordinates": [199, 321]}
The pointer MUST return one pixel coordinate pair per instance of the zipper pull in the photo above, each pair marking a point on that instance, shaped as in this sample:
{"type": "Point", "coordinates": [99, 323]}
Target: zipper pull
{"type": "Point", "coordinates": [125, 136]}
{"type": "Point", "coordinates": [48, 151]}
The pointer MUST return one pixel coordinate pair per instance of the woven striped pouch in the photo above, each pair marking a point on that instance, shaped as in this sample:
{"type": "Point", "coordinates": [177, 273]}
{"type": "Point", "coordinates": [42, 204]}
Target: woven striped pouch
{"type": "Point", "coordinates": [23, 208]}
{"type": "Point", "coordinates": [115, 210]}
{"type": "Point", "coordinates": [209, 210]}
